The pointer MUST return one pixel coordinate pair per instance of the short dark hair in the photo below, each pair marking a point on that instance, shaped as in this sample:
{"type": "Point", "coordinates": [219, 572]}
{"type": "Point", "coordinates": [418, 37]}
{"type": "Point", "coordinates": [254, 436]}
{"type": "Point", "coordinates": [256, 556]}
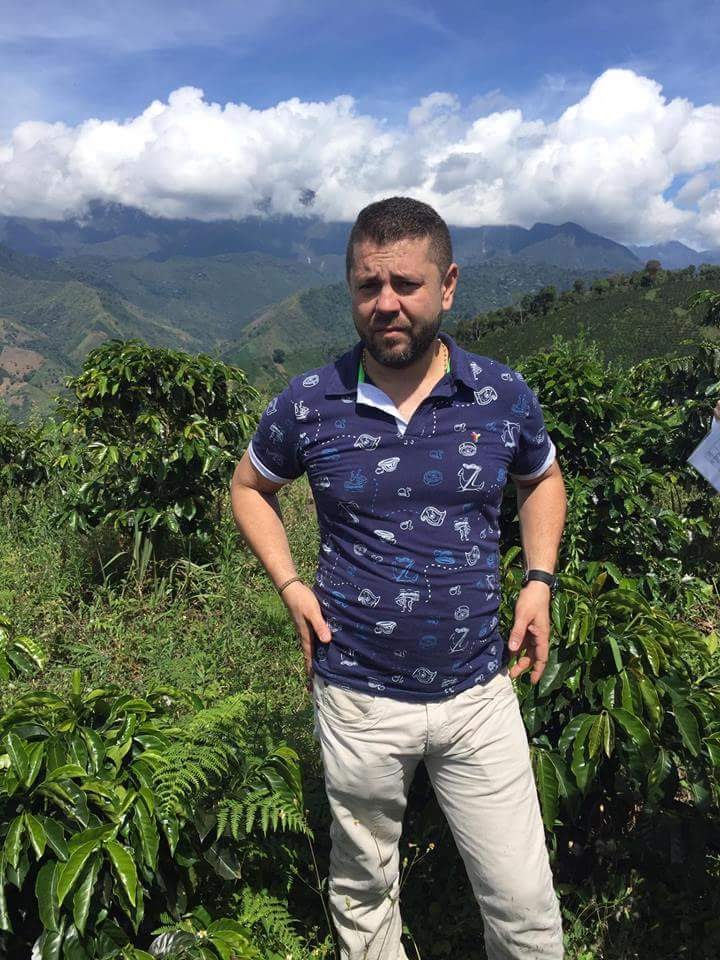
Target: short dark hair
{"type": "Point", "coordinates": [401, 218]}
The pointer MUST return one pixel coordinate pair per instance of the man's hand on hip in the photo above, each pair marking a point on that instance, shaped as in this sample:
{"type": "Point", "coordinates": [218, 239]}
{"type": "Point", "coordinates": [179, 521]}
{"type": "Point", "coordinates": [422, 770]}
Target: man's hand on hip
{"type": "Point", "coordinates": [308, 619]}
{"type": "Point", "coordinates": [530, 634]}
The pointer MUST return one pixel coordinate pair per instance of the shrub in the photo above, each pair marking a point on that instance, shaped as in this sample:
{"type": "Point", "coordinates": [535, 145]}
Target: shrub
{"type": "Point", "coordinates": [152, 436]}
{"type": "Point", "coordinates": [112, 811]}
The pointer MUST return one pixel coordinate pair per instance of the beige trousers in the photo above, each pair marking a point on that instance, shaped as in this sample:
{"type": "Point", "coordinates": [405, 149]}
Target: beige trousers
{"type": "Point", "coordinates": [476, 753]}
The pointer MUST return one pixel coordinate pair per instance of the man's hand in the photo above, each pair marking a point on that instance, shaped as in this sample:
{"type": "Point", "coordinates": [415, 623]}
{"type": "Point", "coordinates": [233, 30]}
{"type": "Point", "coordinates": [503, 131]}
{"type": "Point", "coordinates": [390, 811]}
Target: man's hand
{"type": "Point", "coordinates": [308, 619]}
{"type": "Point", "coordinates": [530, 634]}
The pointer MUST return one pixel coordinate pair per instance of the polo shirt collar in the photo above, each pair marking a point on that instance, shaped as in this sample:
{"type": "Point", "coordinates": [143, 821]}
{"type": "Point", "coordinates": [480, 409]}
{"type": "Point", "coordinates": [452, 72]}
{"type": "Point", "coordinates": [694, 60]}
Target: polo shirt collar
{"type": "Point", "coordinates": [343, 378]}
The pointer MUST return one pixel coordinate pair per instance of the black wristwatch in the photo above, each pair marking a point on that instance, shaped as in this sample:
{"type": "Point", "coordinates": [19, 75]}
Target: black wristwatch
{"type": "Point", "coordinates": [544, 577]}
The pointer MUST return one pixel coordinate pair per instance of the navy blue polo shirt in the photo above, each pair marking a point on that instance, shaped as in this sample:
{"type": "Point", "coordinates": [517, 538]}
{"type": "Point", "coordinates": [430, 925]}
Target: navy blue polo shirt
{"type": "Point", "coordinates": [408, 513]}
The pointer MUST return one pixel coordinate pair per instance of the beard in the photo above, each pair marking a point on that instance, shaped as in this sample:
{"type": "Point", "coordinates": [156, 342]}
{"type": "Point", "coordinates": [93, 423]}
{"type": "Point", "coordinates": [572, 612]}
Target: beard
{"type": "Point", "coordinates": [419, 341]}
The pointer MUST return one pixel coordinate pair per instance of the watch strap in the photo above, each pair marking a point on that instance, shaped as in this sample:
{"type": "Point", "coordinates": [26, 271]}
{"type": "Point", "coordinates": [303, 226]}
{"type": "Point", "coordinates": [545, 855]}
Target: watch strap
{"type": "Point", "coordinates": [543, 576]}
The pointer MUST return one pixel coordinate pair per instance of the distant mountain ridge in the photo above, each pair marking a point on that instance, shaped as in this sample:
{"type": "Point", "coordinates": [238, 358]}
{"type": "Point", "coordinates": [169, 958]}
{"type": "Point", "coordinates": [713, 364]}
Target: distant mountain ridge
{"type": "Point", "coordinates": [115, 232]}
{"type": "Point", "coordinates": [675, 255]}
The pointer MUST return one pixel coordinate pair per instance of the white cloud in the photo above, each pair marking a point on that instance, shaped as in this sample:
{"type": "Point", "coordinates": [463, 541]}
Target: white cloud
{"type": "Point", "coordinates": [609, 161]}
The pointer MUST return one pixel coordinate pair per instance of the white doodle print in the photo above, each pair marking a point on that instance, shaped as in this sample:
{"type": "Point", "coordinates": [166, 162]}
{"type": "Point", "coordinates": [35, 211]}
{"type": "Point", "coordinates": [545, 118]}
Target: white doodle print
{"type": "Point", "coordinates": [301, 411]}
{"type": "Point", "coordinates": [311, 381]}
{"type": "Point", "coordinates": [349, 508]}
{"type": "Point", "coordinates": [449, 682]}
{"type": "Point", "coordinates": [404, 491]}
{"type": "Point", "coordinates": [333, 625]}
{"type": "Point", "coordinates": [388, 465]}
{"type": "Point", "coordinates": [276, 434]}
{"type": "Point", "coordinates": [406, 525]}
{"type": "Point", "coordinates": [387, 535]}
{"type": "Point", "coordinates": [463, 528]}
{"type": "Point", "coordinates": [476, 369]}
{"type": "Point", "coordinates": [359, 549]}
{"type": "Point", "coordinates": [510, 433]}
{"type": "Point", "coordinates": [458, 639]}
{"type": "Point", "coordinates": [469, 477]}
{"type": "Point", "coordinates": [424, 674]}
{"type": "Point", "coordinates": [348, 659]}
{"type": "Point", "coordinates": [272, 406]}
{"type": "Point", "coordinates": [385, 627]}
{"type": "Point", "coordinates": [397, 678]}
{"type": "Point", "coordinates": [459, 427]}
{"type": "Point", "coordinates": [375, 684]}
{"type": "Point", "coordinates": [455, 591]}
{"type": "Point", "coordinates": [400, 653]}
{"type": "Point", "coordinates": [462, 612]}
{"type": "Point", "coordinates": [406, 598]}
{"type": "Point", "coordinates": [467, 449]}
{"type": "Point", "coordinates": [367, 598]}
{"type": "Point", "coordinates": [377, 557]}
{"type": "Point", "coordinates": [326, 547]}
{"type": "Point", "coordinates": [323, 483]}
{"type": "Point", "coordinates": [506, 376]}
{"type": "Point", "coordinates": [540, 436]}
{"type": "Point", "coordinates": [366, 441]}
{"type": "Point", "coordinates": [473, 555]}
{"type": "Point", "coordinates": [433, 516]}
{"type": "Point", "coordinates": [485, 396]}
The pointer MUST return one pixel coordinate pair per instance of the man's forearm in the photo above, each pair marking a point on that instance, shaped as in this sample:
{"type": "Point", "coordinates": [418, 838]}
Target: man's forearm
{"type": "Point", "coordinates": [259, 520]}
{"type": "Point", "coordinates": [541, 512]}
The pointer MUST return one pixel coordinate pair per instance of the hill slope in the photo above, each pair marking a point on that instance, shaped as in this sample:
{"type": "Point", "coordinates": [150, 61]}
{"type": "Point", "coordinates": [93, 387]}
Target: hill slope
{"type": "Point", "coordinates": [629, 320]}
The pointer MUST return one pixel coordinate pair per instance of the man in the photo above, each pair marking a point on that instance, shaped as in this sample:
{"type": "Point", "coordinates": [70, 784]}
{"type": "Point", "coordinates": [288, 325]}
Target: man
{"type": "Point", "coordinates": [408, 441]}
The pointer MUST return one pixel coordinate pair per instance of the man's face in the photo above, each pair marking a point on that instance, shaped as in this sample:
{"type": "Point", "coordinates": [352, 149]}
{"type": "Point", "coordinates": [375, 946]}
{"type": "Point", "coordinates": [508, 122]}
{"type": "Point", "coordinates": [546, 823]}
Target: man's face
{"type": "Point", "coordinates": [398, 298]}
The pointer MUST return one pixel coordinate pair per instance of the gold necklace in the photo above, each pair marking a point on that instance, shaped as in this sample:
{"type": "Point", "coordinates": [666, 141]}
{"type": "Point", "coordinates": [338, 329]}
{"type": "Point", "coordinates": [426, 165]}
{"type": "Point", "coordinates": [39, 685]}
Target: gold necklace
{"type": "Point", "coordinates": [445, 353]}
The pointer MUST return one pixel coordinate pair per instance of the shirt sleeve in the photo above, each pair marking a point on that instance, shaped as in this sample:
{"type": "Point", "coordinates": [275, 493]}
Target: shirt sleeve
{"type": "Point", "coordinates": [534, 451]}
{"type": "Point", "coordinates": [274, 450]}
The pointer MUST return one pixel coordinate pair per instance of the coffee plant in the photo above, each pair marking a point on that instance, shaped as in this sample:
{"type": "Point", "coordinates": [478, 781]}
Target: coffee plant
{"type": "Point", "coordinates": [152, 435]}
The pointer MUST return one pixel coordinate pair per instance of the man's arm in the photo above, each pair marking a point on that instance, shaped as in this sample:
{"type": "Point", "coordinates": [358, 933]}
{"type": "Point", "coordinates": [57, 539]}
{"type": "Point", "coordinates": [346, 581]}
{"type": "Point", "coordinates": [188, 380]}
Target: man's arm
{"type": "Point", "coordinates": [258, 517]}
{"type": "Point", "coordinates": [542, 506]}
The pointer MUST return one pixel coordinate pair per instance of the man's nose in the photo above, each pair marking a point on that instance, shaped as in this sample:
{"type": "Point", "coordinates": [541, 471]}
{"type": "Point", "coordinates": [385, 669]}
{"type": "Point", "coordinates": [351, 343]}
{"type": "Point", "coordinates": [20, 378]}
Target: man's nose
{"type": "Point", "coordinates": [387, 301]}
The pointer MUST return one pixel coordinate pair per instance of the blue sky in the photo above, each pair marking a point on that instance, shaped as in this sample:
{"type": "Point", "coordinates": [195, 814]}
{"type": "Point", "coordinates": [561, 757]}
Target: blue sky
{"type": "Point", "coordinates": [603, 112]}
{"type": "Point", "coordinates": [111, 59]}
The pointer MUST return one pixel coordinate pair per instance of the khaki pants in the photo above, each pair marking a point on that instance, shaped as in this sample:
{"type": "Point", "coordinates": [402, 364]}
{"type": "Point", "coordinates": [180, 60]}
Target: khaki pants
{"type": "Point", "coordinates": [476, 752]}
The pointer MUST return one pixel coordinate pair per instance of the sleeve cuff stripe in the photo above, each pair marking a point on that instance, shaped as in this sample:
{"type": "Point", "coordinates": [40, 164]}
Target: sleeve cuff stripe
{"type": "Point", "coordinates": [540, 470]}
{"type": "Point", "coordinates": [261, 468]}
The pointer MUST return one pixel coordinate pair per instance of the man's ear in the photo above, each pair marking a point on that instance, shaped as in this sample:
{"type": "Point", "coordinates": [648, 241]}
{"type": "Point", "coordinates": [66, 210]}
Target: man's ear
{"type": "Point", "coordinates": [449, 285]}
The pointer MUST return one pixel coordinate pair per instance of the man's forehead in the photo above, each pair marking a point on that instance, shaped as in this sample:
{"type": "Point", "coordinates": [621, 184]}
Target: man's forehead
{"type": "Point", "coordinates": [410, 252]}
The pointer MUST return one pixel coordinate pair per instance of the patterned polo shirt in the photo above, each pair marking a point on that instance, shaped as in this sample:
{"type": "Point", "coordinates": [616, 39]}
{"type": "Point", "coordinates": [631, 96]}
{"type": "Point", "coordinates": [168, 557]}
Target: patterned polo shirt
{"type": "Point", "coordinates": [408, 514]}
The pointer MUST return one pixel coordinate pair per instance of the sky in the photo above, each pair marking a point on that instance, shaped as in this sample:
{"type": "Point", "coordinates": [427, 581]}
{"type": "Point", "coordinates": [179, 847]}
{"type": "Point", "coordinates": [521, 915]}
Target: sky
{"type": "Point", "coordinates": [604, 113]}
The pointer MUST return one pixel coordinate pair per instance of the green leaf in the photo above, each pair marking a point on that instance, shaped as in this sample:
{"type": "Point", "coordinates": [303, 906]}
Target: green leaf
{"type": "Point", "coordinates": [659, 772]}
{"type": "Point", "coordinates": [46, 894]}
{"type": "Point", "coordinates": [13, 841]}
{"type": "Point", "coordinates": [567, 737]}
{"type": "Point", "coordinates": [37, 835]}
{"type": "Point", "coordinates": [616, 654]}
{"type": "Point", "coordinates": [83, 894]}
{"type": "Point", "coordinates": [72, 947]}
{"type": "Point", "coordinates": [5, 923]}
{"type": "Point", "coordinates": [72, 868]}
{"type": "Point", "coordinates": [124, 867]}
{"type": "Point", "coordinates": [17, 751]}
{"type": "Point", "coordinates": [547, 786]}
{"type": "Point", "coordinates": [224, 861]}
{"type": "Point", "coordinates": [55, 838]}
{"type": "Point", "coordinates": [688, 726]}
{"type": "Point", "coordinates": [550, 674]}
{"type": "Point", "coordinates": [66, 771]}
{"type": "Point", "coordinates": [147, 831]}
{"type": "Point", "coordinates": [638, 732]}
{"type": "Point", "coordinates": [35, 759]}
{"type": "Point", "coordinates": [96, 748]}
{"type": "Point", "coordinates": [650, 699]}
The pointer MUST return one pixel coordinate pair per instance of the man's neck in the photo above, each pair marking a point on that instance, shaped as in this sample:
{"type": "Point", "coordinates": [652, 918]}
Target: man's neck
{"type": "Point", "coordinates": [401, 382]}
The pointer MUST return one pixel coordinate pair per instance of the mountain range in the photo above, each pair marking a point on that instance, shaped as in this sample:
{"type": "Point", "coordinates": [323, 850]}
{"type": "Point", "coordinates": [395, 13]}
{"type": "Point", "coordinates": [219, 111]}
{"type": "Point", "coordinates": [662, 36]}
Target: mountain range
{"type": "Point", "coordinates": [242, 289]}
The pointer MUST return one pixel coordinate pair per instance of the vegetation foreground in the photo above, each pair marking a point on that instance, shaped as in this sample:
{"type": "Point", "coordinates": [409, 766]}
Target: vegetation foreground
{"type": "Point", "coordinates": [160, 790]}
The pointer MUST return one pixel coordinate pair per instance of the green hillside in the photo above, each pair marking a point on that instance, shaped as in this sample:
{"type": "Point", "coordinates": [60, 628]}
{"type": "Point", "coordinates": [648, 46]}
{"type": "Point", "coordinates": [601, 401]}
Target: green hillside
{"type": "Point", "coordinates": [313, 326]}
{"type": "Point", "coordinates": [210, 298]}
{"type": "Point", "coordinates": [631, 317]}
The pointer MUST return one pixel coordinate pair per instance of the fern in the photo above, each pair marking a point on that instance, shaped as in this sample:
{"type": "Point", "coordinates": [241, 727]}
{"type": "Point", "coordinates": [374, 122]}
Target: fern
{"type": "Point", "coordinates": [271, 922]}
